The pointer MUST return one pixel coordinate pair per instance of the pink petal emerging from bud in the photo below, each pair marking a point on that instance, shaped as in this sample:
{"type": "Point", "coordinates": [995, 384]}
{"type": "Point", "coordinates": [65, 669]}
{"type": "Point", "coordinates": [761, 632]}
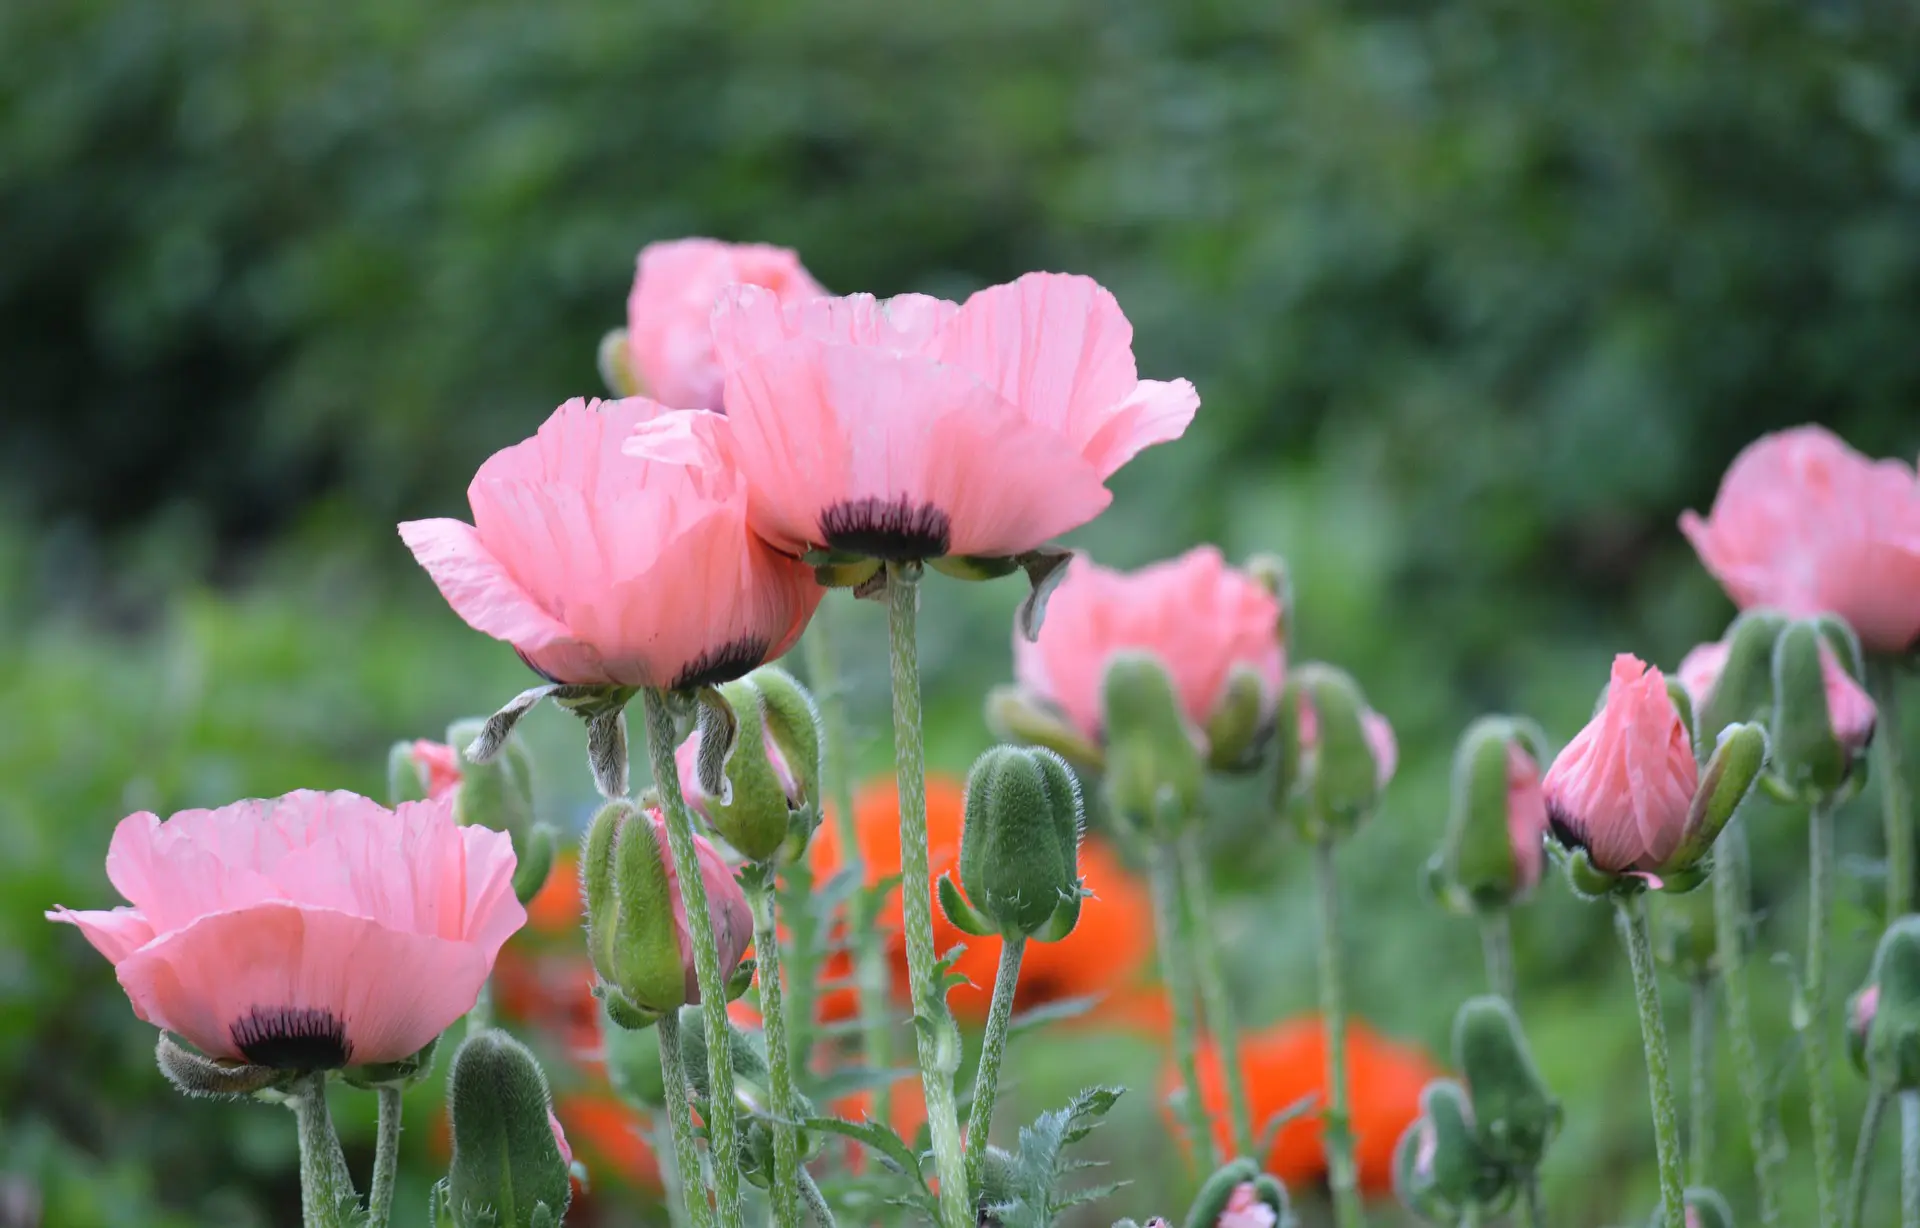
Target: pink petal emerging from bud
{"type": "Point", "coordinates": [1804, 523]}
{"type": "Point", "coordinates": [913, 428]}
{"type": "Point", "coordinates": [687, 760]}
{"type": "Point", "coordinates": [1245, 1210]}
{"type": "Point", "coordinates": [1700, 669]}
{"type": "Point", "coordinates": [727, 908]}
{"type": "Point", "coordinates": [670, 311]}
{"type": "Point", "coordinates": [1526, 819]}
{"type": "Point", "coordinates": [439, 767]}
{"type": "Point", "coordinates": [602, 567]}
{"type": "Point", "coordinates": [309, 931]}
{"type": "Point", "coordinates": [1865, 1005]}
{"type": "Point", "coordinates": [1850, 709]}
{"type": "Point", "coordinates": [1622, 789]}
{"type": "Point", "coordinates": [1380, 739]}
{"type": "Point", "coordinates": [560, 1138]}
{"type": "Point", "coordinates": [1200, 617]}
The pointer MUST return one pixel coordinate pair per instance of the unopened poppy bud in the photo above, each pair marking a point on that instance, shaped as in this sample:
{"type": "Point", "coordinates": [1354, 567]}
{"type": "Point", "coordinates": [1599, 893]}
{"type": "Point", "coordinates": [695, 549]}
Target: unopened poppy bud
{"type": "Point", "coordinates": [496, 793]}
{"type": "Point", "coordinates": [1337, 753]}
{"type": "Point", "coordinates": [1891, 1008]}
{"type": "Point", "coordinates": [1241, 721]}
{"type": "Point", "coordinates": [1705, 1209]}
{"type": "Point", "coordinates": [1861, 1008]}
{"type": "Point", "coordinates": [1217, 1190]}
{"type": "Point", "coordinates": [1153, 765]}
{"type": "Point", "coordinates": [508, 1170]}
{"type": "Point", "coordinates": [1015, 714]}
{"type": "Point", "coordinates": [1495, 850]}
{"type": "Point", "coordinates": [1240, 1196]}
{"type": "Point", "coordinates": [1019, 847]}
{"type": "Point", "coordinates": [1439, 1170]}
{"type": "Point", "coordinates": [633, 1063]}
{"type": "Point", "coordinates": [1514, 1114]}
{"type": "Point", "coordinates": [1822, 718]}
{"type": "Point", "coordinates": [772, 779]}
{"type": "Point", "coordinates": [418, 770]}
{"type": "Point", "coordinates": [1731, 680]}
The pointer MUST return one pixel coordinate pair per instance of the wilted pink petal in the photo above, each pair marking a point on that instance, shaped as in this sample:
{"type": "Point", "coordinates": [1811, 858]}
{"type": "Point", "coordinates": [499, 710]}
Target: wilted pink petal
{"type": "Point", "coordinates": [1622, 789]}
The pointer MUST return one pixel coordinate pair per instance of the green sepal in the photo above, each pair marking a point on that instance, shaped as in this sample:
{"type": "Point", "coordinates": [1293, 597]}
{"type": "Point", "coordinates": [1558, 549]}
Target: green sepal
{"type": "Point", "coordinates": [1241, 722]}
{"type": "Point", "coordinates": [1046, 567]}
{"type": "Point", "coordinates": [1744, 690]}
{"type": "Point", "coordinates": [1515, 1117]}
{"type": "Point", "coordinates": [505, 1158]}
{"type": "Point", "coordinates": [719, 727]}
{"type": "Point", "coordinates": [741, 979]}
{"type": "Point", "coordinates": [975, 567]}
{"type": "Point", "coordinates": [1459, 1175]}
{"type": "Point", "coordinates": [1893, 1037]}
{"type": "Point", "coordinates": [400, 1075]}
{"type": "Point", "coordinates": [792, 720]}
{"type": "Point", "coordinates": [1590, 882]}
{"type": "Point", "coordinates": [597, 889]}
{"type": "Point", "coordinates": [194, 1074]}
{"type": "Point", "coordinates": [1728, 777]}
{"type": "Point", "coordinates": [1020, 838]}
{"type": "Point", "coordinates": [1153, 767]}
{"type": "Point", "coordinates": [535, 863]}
{"type": "Point", "coordinates": [1270, 1190]}
{"type": "Point", "coordinates": [632, 934]}
{"type": "Point", "coordinates": [603, 709]}
{"type": "Point", "coordinates": [1682, 705]}
{"type": "Point", "coordinates": [615, 362]}
{"type": "Point", "coordinates": [962, 915]}
{"type": "Point", "coordinates": [1066, 915]}
{"type": "Point", "coordinates": [1015, 716]}
{"type": "Point", "coordinates": [1217, 1189]}
{"type": "Point", "coordinates": [1478, 870]}
{"type": "Point", "coordinates": [1339, 783]}
{"type": "Point", "coordinates": [622, 1013]}
{"type": "Point", "coordinates": [1808, 760]}
{"type": "Point", "coordinates": [742, 797]}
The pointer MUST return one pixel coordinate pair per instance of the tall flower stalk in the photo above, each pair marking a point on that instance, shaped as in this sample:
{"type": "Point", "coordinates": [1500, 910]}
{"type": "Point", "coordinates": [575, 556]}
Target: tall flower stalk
{"type": "Point", "coordinates": [1216, 1001]}
{"type": "Point", "coordinates": [1176, 973]}
{"type": "Point", "coordinates": [1817, 1040]}
{"type": "Point", "coordinates": [1653, 1037]}
{"type": "Point", "coordinates": [785, 1192]}
{"type": "Point", "coordinates": [1883, 679]}
{"type": "Point", "coordinates": [327, 1196]}
{"type": "Point", "coordinates": [986, 1081]}
{"type": "Point", "coordinates": [1732, 924]}
{"type": "Point", "coordinates": [1342, 1173]}
{"type": "Point", "coordinates": [1700, 1079]}
{"type": "Point", "coordinates": [386, 1157]}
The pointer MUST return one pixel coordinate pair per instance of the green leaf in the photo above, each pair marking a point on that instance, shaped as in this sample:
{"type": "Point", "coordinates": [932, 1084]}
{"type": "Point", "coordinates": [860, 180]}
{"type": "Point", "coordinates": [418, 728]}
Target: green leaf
{"type": "Point", "coordinates": [877, 1135]}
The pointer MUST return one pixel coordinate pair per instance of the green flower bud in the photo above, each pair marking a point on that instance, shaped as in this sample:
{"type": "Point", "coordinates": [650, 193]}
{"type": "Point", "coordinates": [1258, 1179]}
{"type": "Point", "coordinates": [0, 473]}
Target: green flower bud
{"type": "Point", "coordinates": [1822, 718]}
{"type": "Point", "coordinates": [1439, 1170]}
{"type": "Point", "coordinates": [1742, 691]}
{"type": "Point", "coordinates": [1240, 724]}
{"type": "Point", "coordinates": [1890, 1009]}
{"type": "Point", "coordinates": [1153, 765]}
{"type": "Point", "coordinates": [752, 1082]}
{"type": "Point", "coordinates": [1016, 716]}
{"type": "Point", "coordinates": [497, 793]}
{"type": "Point", "coordinates": [507, 1163]}
{"type": "Point", "coordinates": [1217, 1189]}
{"type": "Point", "coordinates": [771, 803]}
{"type": "Point", "coordinates": [616, 366]}
{"type": "Point", "coordinates": [1515, 1117]}
{"type": "Point", "coordinates": [1737, 761]}
{"type": "Point", "coordinates": [1020, 845]}
{"type": "Point", "coordinates": [1705, 1209]}
{"type": "Point", "coordinates": [1337, 753]}
{"type": "Point", "coordinates": [633, 1063]}
{"type": "Point", "coordinates": [1495, 851]}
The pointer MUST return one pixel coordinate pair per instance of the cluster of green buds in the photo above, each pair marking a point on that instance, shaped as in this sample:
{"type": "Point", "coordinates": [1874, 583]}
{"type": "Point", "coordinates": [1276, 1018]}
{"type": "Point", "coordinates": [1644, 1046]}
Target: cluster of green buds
{"type": "Point", "coordinates": [1019, 848]}
{"type": "Point", "coordinates": [1475, 1147]}
{"type": "Point", "coordinates": [759, 788]}
{"type": "Point", "coordinates": [496, 792]}
{"type": "Point", "coordinates": [511, 1165]}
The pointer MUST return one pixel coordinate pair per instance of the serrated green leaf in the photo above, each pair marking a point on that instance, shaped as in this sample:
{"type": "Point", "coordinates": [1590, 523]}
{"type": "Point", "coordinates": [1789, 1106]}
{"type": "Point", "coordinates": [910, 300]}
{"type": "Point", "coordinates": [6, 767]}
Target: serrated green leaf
{"type": "Point", "coordinates": [876, 1135]}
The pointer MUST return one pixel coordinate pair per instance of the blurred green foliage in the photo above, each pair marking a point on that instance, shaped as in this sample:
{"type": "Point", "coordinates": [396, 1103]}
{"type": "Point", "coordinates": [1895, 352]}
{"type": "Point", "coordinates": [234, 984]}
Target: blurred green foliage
{"type": "Point", "coordinates": [1478, 297]}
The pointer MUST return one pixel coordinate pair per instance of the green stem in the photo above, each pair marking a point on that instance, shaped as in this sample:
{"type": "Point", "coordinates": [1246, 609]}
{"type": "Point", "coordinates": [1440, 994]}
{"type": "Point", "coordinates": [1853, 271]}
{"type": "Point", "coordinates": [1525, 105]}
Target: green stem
{"type": "Point", "coordinates": [386, 1158]}
{"type": "Point", "coordinates": [660, 1138]}
{"type": "Point", "coordinates": [800, 957]}
{"type": "Point", "coordinates": [872, 976]}
{"type": "Point", "coordinates": [327, 1196]}
{"type": "Point", "coordinates": [1653, 1036]}
{"type": "Point", "coordinates": [784, 1194]}
{"type": "Point", "coordinates": [931, 1021]}
{"type": "Point", "coordinates": [1883, 676]}
{"type": "Point", "coordinates": [1176, 972]}
{"type": "Point", "coordinates": [723, 1138]}
{"type": "Point", "coordinates": [1909, 1159]}
{"type": "Point", "coordinates": [1496, 950]}
{"type": "Point", "coordinates": [1731, 922]}
{"type": "Point", "coordinates": [1700, 1081]}
{"type": "Point", "coordinates": [1218, 1003]}
{"type": "Point", "coordinates": [1347, 1211]}
{"type": "Point", "coordinates": [1876, 1111]}
{"type": "Point", "coordinates": [986, 1081]}
{"type": "Point", "coordinates": [686, 1158]}
{"type": "Point", "coordinates": [1818, 1040]}
{"type": "Point", "coordinates": [816, 1201]}
{"type": "Point", "coordinates": [1532, 1213]}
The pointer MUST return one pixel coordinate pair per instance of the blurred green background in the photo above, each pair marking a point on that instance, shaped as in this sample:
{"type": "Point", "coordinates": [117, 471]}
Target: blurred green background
{"type": "Point", "coordinates": [1478, 297]}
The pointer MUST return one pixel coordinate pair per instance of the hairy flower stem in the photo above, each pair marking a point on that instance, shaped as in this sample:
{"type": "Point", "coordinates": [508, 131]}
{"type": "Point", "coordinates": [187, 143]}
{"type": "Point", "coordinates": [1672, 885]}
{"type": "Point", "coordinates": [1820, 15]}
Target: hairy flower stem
{"type": "Point", "coordinates": [686, 1159]}
{"type": "Point", "coordinates": [723, 1136]}
{"type": "Point", "coordinates": [816, 1201]}
{"type": "Point", "coordinates": [800, 957]}
{"type": "Point", "coordinates": [986, 1081]}
{"type": "Point", "coordinates": [1341, 1176]}
{"type": "Point", "coordinates": [1496, 950]}
{"type": "Point", "coordinates": [1883, 677]}
{"type": "Point", "coordinates": [1217, 1003]}
{"type": "Point", "coordinates": [327, 1196]}
{"type": "Point", "coordinates": [1818, 1038]}
{"type": "Point", "coordinates": [1909, 1159]}
{"type": "Point", "coordinates": [785, 1193]}
{"type": "Point", "coordinates": [660, 1137]}
{"type": "Point", "coordinates": [386, 1158]}
{"type": "Point", "coordinates": [1876, 1111]}
{"type": "Point", "coordinates": [1653, 1036]}
{"type": "Point", "coordinates": [1176, 971]}
{"type": "Point", "coordinates": [1532, 1214]}
{"type": "Point", "coordinates": [932, 1024]}
{"type": "Point", "coordinates": [1731, 940]}
{"type": "Point", "coordinates": [1700, 1081]}
{"type": "Point", "coordinates": [871, 973]}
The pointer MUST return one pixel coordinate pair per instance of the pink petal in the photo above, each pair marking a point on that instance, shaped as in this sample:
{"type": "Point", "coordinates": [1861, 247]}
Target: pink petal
{"type": "Point", "coordinates": [1700, 669]}
{"type": "Point", "coordinates": [116, 934]}
{"type": "Point", "coordinates": [1526, 819]}
{"type": "Point", "coordinates": [1155, 412]}
{"type": "Point", "coordinates": [1850, 710]}
{"type": "Point", "coordinates": [1624, 786]}
{"type": "Point", "coordinates": [479, 589]}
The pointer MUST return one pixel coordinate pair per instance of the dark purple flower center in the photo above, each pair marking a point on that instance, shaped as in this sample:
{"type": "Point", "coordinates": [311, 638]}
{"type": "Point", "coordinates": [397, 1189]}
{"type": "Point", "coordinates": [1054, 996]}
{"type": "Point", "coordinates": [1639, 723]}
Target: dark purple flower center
{"type": "Point", "coordinates": [722, 664]}
{"type": "Point", "coordinates": [897, 530]}
{"type": "Point", "coordinates": [292, 1038]}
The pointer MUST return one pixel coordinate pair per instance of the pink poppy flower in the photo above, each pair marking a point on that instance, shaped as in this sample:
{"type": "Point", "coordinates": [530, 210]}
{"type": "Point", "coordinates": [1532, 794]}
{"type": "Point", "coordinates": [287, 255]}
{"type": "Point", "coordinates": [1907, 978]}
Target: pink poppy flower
{"type": "Point", "coordinates": [1805, 523]}
{"type": "Point", "coordinates": [1526, 819]}
{"type": "Point", "coordinates": [439, 768]}
{"type": "Point", "coordinates": [1245, 1210]}
{"type": "Point", "coordinates": [1849, 707]}
{"type": "Point", "coordinates": [913, 428]}
{"type": "Point", "coordinates": [608, 569]}
{"type": "Point", "coordinates": [1200, 617]}
{"type": "Point", "coordinates": [1380, 739]}
{"type": "Point", "coordinates": [670, 311]}
{"type": "Point", "coordinates": [309, 931]}
{"type": "Point", "coordinates": [1623, 788]}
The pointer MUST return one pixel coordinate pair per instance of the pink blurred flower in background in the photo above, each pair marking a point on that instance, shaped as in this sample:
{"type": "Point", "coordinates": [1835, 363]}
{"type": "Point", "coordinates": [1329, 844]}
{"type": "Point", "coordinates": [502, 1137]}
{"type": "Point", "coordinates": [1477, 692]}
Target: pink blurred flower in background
{"type": "Point", "coordinates": [439, 767]}
{"type": "Point", "coordinates": [1623, 788]}
{"type": "Point", "coordinates": [1805, 523]}
{"type": "Point", "coordinates": [1849, 708]}
{"type": "Point", "coordinates": [309, 931]}
{"type": "Point", "coordinates": [1200, 617]}
{"type": "Point", "coordinates": [670, 311]}
{"type": "Point", "coordinates": [605, 568]}
{"type": "Point", "coordinates": [912, 427]}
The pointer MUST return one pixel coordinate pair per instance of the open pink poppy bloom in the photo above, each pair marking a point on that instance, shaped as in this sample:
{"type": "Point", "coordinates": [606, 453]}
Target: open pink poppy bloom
{"type": "Point", "coordinates": [1849, 707]}
{"type": "Point", "coordinates": [913, 428]}
{"type": "Point", "coordinates": [1805, 523]}
{"type": "Point", "coordinates": [1200, 617]}
{"type": "Point", "coordinates": [670, 310]}
{"type": "Point", "coordinates": [1526, 819]}
{"type": "Point", "coordinates": [309, 931]}
{"type": "Point", "coordinates": [604, 568]}
{"type": "Point", "coordinates": [1623, 788]}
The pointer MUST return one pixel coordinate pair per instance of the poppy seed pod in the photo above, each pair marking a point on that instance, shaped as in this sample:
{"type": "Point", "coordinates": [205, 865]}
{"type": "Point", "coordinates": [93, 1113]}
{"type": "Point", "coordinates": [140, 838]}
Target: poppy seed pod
{"type": "Point", "coordinates": [1822, 719]}
{"type": "Point", "coordinates": [1514, 1114]}
{"type": "Point", "coordinates": [1891, 1008]}
{"type": "Point", "coordinates": [1019, 847]}
{"type": "Point", "coordinates": [1495, 850]}
{"type": "Point", "coordinates": [1336, 754]}
{"type": "Point", "coordinates": [508, 1170]}
{"type": "Point", "coordinates": [771, 802]}
{"type": "Point", "coordinates": [1439, 1170]}
{"type": "Point", "coordinates": [1153, 765]}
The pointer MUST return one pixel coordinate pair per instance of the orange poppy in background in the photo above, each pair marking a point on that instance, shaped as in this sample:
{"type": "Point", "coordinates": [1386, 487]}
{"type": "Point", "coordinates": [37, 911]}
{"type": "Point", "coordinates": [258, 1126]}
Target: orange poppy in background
{"type": "Point", "coordinates": [1108, 947]}
{"type": "Point", "coordinates": [556, 908]}
{"type": "Point", "coordinates": [1287, 1063]}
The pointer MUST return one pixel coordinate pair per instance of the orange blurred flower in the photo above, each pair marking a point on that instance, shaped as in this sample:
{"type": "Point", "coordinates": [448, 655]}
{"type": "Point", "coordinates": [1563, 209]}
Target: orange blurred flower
{"type": "Point", "coordinates": [556, 908]}
{"type": "Point", "coordinates": [1287, 1062]}
{"type": "Point", "coordinates": [606, 1134]}
{"type": "Point", "coordinates": [1106, 949]}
